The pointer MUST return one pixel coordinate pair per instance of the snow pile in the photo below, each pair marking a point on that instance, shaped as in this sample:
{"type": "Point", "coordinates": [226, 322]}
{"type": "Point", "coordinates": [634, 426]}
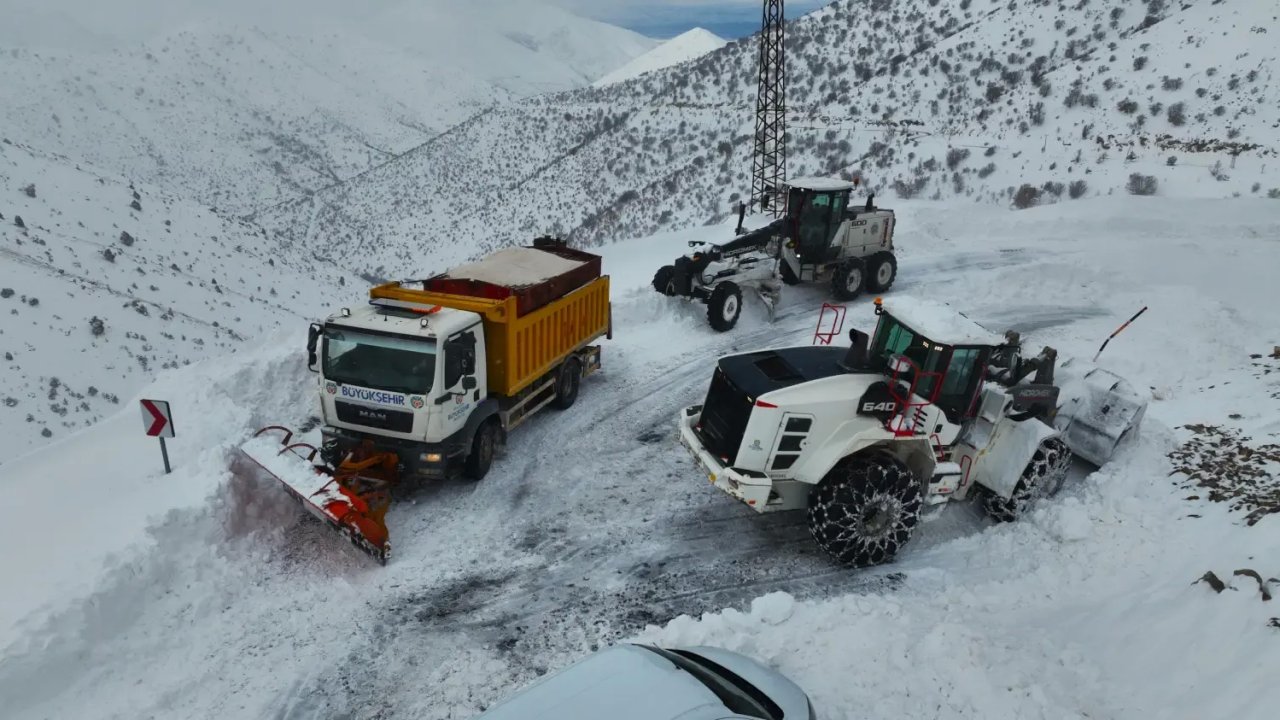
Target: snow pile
{"type": "Point", "coordinates": [1088, 609]}
{"type": "Point", "coordinates": [687, 46]}
{"type": "Point", "coordinates": [515, 267]}
{"type": "Point", "coordinates": [939, 322]}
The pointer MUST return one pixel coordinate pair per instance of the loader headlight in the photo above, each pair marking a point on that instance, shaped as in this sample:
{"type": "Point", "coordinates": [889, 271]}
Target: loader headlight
{"type": "Point", "coordinates": [432, 457]}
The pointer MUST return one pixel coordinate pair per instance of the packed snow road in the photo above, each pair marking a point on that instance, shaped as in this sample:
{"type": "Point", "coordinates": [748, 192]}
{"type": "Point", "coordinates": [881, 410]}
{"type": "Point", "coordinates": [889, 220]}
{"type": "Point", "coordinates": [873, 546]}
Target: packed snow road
{"type": "Point", "coordinates": [209, 594]}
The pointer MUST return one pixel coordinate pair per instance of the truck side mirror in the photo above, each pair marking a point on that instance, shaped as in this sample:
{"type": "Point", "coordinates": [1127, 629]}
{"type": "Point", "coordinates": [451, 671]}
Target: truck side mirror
{"type": "Point", "coordinates": [313, 339]}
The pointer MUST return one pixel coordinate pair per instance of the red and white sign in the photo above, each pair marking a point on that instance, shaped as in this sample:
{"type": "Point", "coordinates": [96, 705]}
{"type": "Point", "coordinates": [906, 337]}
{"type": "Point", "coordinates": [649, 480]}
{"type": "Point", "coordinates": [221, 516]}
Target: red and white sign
{"type": "Point", "coordinates": [156, 418]}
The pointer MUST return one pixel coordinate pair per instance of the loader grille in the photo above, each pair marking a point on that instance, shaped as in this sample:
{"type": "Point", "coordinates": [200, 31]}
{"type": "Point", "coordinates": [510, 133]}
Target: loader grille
{"type": "Point", "coordinates": [381, 418]}
{"type": "Point", "coordinates": [724, 418]}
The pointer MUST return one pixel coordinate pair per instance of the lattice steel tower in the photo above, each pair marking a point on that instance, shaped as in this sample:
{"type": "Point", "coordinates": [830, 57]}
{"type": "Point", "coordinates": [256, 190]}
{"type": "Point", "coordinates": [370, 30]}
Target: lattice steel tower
{"type": "Point", "coordinates": [769, 165]}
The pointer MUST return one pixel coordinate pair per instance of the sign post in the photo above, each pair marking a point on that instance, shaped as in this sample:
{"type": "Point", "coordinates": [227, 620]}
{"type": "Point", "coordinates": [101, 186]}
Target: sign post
{"type": "Point", "coordinates": [158, 423]}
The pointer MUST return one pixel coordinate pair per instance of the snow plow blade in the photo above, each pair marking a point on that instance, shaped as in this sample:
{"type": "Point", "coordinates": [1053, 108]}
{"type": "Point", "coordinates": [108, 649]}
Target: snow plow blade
{"type": "Point", "coordinates": [352, 499]}
{"type": "Point", "coordinates": [1098, 410]}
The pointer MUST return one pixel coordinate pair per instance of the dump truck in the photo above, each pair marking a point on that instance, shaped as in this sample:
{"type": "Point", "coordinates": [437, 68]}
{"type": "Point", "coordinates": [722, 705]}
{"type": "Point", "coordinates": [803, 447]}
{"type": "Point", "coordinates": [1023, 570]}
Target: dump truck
{"type": "Point", "coordinates": [427, 379]}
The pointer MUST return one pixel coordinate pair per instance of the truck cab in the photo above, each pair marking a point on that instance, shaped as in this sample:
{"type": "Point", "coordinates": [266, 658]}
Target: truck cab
{"type": "Point", "coordinates": [413, 377]}
{"type": "Point", "coordinates": [437, 371]}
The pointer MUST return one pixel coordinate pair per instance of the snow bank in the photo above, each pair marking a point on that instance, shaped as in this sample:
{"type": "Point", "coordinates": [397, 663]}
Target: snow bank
{"type": "Point", "coordinates": [682, 48]}
{"type": "Point", "coordinates": [91, 500]}
{"type": "Point", "coordinates": [1087, 610]}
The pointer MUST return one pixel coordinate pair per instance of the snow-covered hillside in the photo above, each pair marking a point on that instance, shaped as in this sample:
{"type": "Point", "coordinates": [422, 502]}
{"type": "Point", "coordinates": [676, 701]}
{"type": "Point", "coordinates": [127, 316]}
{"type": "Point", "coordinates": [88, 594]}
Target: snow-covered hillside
{"type": "Point", "coordinates": [687, 46]}
{"type": "Point", "coordinates": [202, 595]}
{"type": "Point", "coordinates": [104, 284]}
{"type": "Point", "coordinates": [241, 112]}
{"type": "Point", "coordinates": [971, 100]}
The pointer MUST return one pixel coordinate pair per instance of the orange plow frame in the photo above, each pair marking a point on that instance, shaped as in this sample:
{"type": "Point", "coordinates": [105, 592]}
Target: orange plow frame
{"type": "Point", "coordinates": [353, 500]}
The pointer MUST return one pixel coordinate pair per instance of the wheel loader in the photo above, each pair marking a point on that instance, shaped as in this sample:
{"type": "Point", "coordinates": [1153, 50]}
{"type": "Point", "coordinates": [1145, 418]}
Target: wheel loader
{"type": "Point", "coordinates": [930, 408]}
{"type": "Point", "coordinates": [821, 238]}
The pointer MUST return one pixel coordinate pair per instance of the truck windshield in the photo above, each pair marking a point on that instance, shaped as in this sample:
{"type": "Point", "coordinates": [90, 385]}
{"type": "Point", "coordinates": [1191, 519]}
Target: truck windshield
{"type": "Point", "coordinates": [381, 362]}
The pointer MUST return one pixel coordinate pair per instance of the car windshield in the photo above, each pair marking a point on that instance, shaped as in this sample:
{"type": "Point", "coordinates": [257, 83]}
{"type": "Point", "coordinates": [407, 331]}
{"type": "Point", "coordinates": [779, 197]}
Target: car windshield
{"type": "Point", "coordinates": [737, 694]}
{"type": "Point", "coordinates": [381, 362]}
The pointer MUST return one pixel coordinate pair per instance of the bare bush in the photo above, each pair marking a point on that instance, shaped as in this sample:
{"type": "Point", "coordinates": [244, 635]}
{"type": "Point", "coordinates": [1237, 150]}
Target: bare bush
{"type": "Point", "coordinates": [1140, 184]}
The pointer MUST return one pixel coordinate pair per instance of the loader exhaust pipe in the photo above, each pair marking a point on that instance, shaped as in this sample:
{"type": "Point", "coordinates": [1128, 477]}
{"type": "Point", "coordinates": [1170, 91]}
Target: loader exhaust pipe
{"type": "Point", "coordinates": [742, 216]}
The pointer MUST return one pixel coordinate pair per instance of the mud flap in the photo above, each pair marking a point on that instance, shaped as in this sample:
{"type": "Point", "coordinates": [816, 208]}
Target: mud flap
{"type": "Point", "coordinates": [1097, 410]}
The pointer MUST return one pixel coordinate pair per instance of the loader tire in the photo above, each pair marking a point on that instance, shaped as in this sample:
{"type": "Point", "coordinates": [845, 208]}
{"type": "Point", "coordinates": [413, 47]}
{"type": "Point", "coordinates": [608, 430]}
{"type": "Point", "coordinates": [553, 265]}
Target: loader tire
{"type": "Point", "coordinates": [882, 270]}
{"type": "Point", "coordinates": [664, 280]}
{"type": "Point", "coordinates": [724, 306]}
{"type": "Point", "coordinates": [567, 383]}
{"type": "Point", "coordinates": [483, 447]}
{"type": "Point", "coordinates": [1042, 477]}
{"type": "Point", "coordinates": [865, 509]}
{"type": "Point", "coordinates": [848, 280]}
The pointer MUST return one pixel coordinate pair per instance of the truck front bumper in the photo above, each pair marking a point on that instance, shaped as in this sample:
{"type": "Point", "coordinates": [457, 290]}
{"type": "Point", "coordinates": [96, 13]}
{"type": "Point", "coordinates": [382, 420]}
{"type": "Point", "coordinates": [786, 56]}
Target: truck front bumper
{"type": "Point", "coordinates": [424, 460]}
{"type": "Point", "coordinates": [750, 487]}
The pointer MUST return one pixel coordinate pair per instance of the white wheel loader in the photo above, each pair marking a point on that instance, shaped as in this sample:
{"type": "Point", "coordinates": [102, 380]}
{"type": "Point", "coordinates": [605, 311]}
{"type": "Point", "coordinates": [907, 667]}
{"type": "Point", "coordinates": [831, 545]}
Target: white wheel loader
{"type": "Point", "coordinates": [821, 238]}
{"type": "Point", "coordinates": [931, 408]}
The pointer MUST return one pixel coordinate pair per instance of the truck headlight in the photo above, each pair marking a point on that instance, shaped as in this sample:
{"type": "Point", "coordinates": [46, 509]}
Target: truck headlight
{"type": "Point", "coordinates": [432, 457]}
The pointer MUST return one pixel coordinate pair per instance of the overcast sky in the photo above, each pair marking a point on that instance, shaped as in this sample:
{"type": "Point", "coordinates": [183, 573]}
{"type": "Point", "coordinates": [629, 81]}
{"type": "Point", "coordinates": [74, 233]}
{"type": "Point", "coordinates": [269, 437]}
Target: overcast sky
{"type": "Point", "coordinates": [23, 19]}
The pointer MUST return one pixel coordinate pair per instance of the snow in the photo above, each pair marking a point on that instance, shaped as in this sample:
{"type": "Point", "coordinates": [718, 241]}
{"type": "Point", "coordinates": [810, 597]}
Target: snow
{"type": "Point", "coordinates": [515, 267]}
{"type": "Point", "coordinates": [685, 47]}
{"type": "Point", "coordinates": [206, 594]}
{"type": "Point", "coordinates": [821, 184]}
{"type": "Point", "coordinates": [939, 321]}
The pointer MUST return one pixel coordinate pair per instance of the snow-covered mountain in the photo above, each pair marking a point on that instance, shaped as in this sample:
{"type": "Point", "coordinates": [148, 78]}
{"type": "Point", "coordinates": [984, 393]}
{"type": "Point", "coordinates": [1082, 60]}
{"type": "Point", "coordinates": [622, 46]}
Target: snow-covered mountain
{"type": "Point", "coordinates": [241, 111]}
{"type": "Point", "coordinates": [687, 46]}
{"type": "Point", "coordinates": [104, 284]}
{"type": "Point", "coordinates": [972, 100]}
{"type": "Point", "coordinates": [204, 595]}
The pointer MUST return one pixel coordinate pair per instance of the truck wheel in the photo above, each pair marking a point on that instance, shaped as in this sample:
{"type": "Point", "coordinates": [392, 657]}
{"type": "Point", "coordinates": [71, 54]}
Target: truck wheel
{"type": "Point", "coordinates": [567, 383]}
{"type": "Point", "coordinates": [724, 306]}
{"type": "Point", "coordinates": [664, 280]}
{"type": "Point", "coordinates": [847, 282]}
{"type": "Point", "coordinates": [483, 447]}
{"type": "Point", "coordinates": [1042, 477]}
{"type": "Point", "coordinates": [882, 272]}
{"type": "Point", "coordinates": [864, 510]}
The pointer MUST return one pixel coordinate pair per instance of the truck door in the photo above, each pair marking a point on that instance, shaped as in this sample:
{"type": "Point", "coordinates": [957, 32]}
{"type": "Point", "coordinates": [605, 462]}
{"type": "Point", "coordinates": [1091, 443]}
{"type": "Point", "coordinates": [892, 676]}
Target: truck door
{"type": "Point", "coordinates": [463, 378]}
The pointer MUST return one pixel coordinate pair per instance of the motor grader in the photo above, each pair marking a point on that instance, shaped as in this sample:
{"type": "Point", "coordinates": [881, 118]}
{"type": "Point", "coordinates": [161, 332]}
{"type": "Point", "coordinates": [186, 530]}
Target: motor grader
{"type": "Point", "coordinates": [929, 409]}
{"type": "Point", "coordinates": [822, 237]}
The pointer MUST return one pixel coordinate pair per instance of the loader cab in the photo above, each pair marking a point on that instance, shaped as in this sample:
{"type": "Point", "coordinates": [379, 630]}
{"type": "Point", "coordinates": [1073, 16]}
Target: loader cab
{"type": "Point", "coordinates": [947, 374]}
{"type": "Point", "coordinates": [816, 207]}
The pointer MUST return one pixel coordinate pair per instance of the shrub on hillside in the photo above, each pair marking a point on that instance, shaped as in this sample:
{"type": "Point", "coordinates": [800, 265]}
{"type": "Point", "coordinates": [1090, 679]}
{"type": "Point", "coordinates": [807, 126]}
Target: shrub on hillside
{"type": "Point", "coordinates": [1140, 184]}
{"type": "Point", "coordinates": [1027, 196]}
{"type": "Point", "coordinates": [1077, 189]}
{"type": "Point", "coordinates": [1177, 114]}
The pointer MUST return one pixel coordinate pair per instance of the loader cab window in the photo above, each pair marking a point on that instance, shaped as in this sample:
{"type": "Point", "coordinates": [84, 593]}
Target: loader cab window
{"type": "Point", "coordinates": [380, 362]}
{"type": "Point", "coordinates": [962, 382]}
{"type": "Point", "coordinates": [894, 338]}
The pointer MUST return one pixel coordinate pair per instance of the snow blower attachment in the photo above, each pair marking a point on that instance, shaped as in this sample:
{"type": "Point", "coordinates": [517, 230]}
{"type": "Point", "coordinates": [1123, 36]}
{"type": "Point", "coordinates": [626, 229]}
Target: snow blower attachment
{"type": "Point", "coordinates": [353, 498]}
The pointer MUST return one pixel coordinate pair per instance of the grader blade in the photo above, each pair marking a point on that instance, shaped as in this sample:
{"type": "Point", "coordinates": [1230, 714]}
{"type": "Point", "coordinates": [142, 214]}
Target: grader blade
{"type": "Point", "coordinates": [1098, 410]}
{"type": "Point", "coordinates": [353, 499]}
